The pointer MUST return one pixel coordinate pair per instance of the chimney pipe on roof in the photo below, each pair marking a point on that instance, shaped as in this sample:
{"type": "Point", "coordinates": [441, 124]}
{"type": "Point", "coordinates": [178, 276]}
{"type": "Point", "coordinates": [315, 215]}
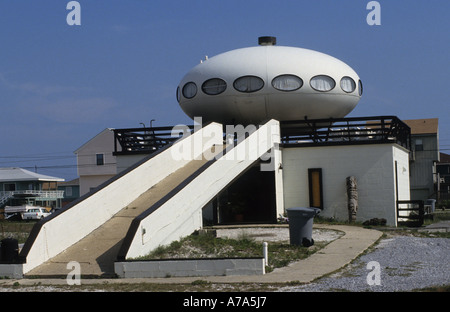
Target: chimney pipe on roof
{"type": "Point", "coordinates": [267, 41]}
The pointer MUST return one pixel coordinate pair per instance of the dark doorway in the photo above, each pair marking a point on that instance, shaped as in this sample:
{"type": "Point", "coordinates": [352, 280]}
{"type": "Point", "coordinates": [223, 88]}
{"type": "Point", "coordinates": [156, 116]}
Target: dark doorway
{"type": "Point", "coordinates": [249, 199]}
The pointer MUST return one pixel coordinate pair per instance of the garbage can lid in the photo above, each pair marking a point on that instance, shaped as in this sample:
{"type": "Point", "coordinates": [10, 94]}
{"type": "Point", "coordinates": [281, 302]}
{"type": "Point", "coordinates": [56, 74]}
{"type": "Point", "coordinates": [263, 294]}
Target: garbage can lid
{"type": "Point", "coordinates": [309, 210]}
{"type": "Point", "coordinates": [303, 209]}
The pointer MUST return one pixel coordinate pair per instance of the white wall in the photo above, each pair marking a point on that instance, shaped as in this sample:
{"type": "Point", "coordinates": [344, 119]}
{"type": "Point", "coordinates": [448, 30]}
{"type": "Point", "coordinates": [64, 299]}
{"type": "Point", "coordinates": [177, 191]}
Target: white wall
{"type": "Point", "coordinates": [371, 164]}
{"type": "Point", "coordinates": [73, 224]}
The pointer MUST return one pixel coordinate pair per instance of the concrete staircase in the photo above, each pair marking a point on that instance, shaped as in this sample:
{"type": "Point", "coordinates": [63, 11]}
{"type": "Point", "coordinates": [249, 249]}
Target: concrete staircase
{"type": "Point", "coordinates": [97, 251]}
{"type": "Point", "coordinates": [154, 202]}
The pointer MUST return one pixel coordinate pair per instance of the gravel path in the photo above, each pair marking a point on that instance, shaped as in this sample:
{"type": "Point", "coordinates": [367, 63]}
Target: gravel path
{"type": "Point", "coordinates": [405, 263]}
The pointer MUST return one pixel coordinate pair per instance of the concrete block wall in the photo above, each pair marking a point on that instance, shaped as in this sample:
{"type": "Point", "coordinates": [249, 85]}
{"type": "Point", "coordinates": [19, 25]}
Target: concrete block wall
{"type": "Point", "coordinates": [11, 270]}
{"type": "Point", "coordinates": [190, 267]}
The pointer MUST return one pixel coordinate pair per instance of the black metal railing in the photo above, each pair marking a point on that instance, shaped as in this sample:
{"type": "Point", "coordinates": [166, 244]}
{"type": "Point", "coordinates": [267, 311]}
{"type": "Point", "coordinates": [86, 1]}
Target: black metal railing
{"type": "Point", "coordinates": [335, 131]}
{"type": "Point", "coordinates": [146, 140]}
{"type": "Point", "coordinates": [357, 130]}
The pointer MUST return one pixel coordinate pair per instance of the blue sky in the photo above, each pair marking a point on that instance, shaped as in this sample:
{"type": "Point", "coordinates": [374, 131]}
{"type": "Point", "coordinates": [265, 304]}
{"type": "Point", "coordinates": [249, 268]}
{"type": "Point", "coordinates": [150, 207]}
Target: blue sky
{"type": "Point", "coordinates": [61, 85]}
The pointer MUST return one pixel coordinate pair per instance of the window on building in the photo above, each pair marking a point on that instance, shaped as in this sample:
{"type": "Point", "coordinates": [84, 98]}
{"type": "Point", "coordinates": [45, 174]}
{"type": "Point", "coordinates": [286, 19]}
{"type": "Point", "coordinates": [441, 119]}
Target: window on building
{"type": "Point", "coordinates": [418, 145]}
{"type": "Point", "coordinates": [322, 83]}
{"type": "Point", "coordinates": [9, 187]}
{"type": "Point", "coordinates": [287, 82]}
{"type": "Point", "coordinates": [348, 84]}
{"type": "Point", "coordinates": [100, 159]}
{"type": "Point", "coordinates": [48, 186]}
{"type": "Point", "coordinates": [214, 86]}
{"type": "Point", "coordinates": [189, 90]}
{"type": "Point", "coordinates": [68, 191]}
{"type": "Point", "coordinates": [248, 84]}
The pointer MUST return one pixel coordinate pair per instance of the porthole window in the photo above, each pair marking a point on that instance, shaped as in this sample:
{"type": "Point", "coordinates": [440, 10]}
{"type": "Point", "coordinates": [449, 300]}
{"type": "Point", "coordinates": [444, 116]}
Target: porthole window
{"type": "Point", "coordinates": [360, 88]}
{"type": "Point", "coordinates": [178, 94]}
{"type": "Point", "coordinates": [322, 83]}
{"type": "Point", "coordinates": [189, 90]}
{"type": "Point", "coordinates": [348, 84]}
{"type": "Point", "coordinates": [248, 84]}
{"type": "Point", "coordinates": [214, 86]}
{"type": "Point", "coordinates": [287, 82]}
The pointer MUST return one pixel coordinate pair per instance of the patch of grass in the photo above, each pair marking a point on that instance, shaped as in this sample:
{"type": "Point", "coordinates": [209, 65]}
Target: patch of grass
{"type": "Point", "coordinates": [439, 215]}
{"type": "Point", "coordinates": [206, 245]}
{"type": "Point", "coordinates": [282, 254]}
{"type": "Point", "coordinates": [19, 230]}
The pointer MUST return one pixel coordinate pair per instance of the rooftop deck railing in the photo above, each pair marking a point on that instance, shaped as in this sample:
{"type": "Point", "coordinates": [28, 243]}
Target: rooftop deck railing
{"type": "Point", "coordinates": [145, 140]}
{"type": "Point", "coordinates": [346, 131]}
{"type": "Point", "coordinates": [335, 131]}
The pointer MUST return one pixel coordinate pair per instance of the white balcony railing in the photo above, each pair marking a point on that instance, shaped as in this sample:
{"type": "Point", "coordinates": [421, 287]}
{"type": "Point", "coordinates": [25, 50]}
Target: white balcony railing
{"type": "Point", "coordinates": [4, 196]}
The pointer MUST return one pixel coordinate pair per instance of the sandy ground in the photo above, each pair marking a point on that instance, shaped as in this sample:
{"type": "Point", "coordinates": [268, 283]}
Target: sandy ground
{"type": "Point", "coordinates": [276, 234]}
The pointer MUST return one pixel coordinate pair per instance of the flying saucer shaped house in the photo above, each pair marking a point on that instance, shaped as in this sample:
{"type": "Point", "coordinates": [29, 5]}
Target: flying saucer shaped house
{"type": "Point", "coordinates": [249, 85]}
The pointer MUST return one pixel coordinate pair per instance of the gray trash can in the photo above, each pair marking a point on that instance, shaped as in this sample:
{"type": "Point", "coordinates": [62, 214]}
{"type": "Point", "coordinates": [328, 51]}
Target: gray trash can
{"type": "Point", "coordinates": [300, 225]}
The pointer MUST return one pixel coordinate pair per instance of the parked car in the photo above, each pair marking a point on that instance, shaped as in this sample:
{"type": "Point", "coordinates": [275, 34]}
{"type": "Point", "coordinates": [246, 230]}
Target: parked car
{"type": "Point", "coordinates": [36, 214]}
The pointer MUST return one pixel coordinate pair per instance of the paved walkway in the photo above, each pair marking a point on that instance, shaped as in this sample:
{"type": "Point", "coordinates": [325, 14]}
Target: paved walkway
{"type": "Point", "coordinates": [329, 259]}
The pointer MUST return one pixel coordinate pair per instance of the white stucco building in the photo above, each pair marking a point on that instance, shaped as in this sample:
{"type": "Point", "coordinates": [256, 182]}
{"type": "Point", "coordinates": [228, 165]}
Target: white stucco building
{"type": "Point", "coordinates": [377, 168]}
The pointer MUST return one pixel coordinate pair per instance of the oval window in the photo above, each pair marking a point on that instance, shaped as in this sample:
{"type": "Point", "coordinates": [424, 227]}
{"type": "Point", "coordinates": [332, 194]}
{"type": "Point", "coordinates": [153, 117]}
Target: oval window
{"type": "Point", "coordinates": [178, 94]}
{"type": "Point", "coordinates": [287, 82]}
{"type": "Point", "coordinates": [248, 84]}
{"type": "Point", "coordinates": [189, 90]}
{"type": "Point", "coordinates": [348, 84]}
{"type": "Point", "coordinates": [360, 88]}
{"type": "Point", "coordinates": [214, 86]}
{"type": "Point", "coordinates": [322, 83]}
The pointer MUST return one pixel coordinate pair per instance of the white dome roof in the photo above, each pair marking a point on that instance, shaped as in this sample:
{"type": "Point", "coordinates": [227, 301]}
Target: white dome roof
{"type": "Point", "coordinates": [294, 95]}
